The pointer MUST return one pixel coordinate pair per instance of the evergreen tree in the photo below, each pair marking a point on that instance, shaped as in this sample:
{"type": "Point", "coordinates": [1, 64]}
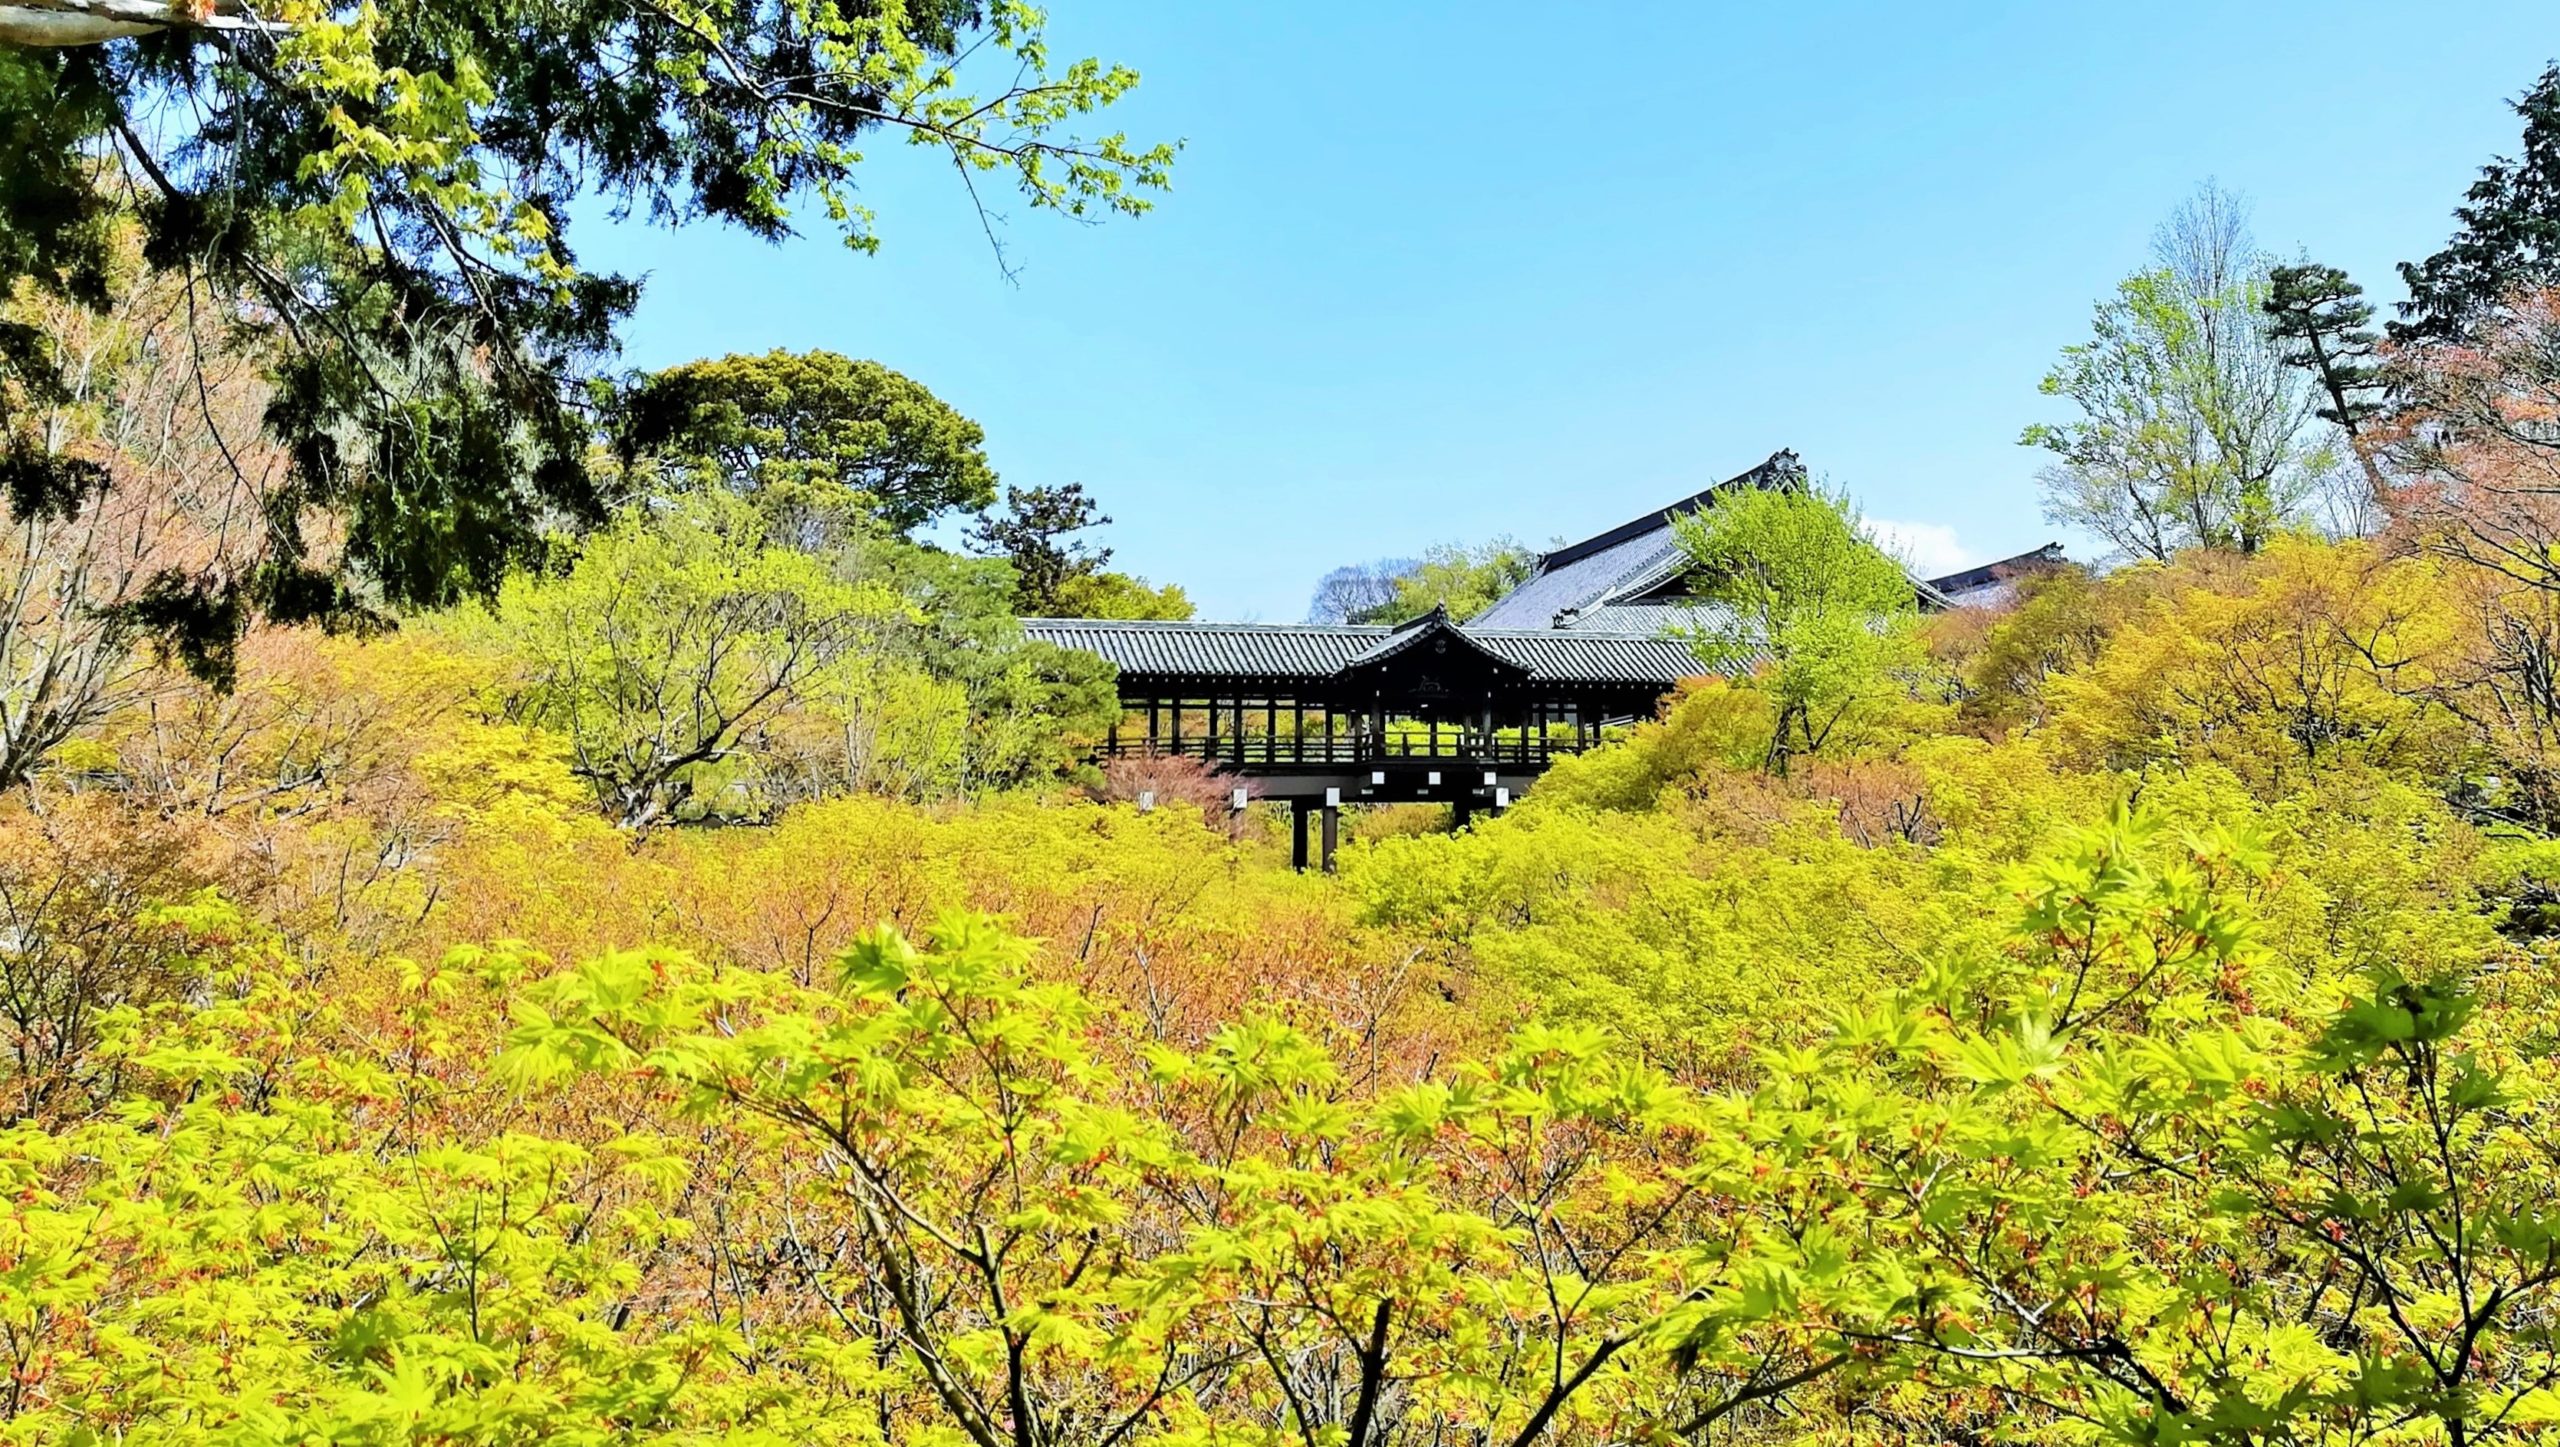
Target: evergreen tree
{"type": "Point", "coordinates": [822, 443]}
{"type": "Point", "coordinates": [2509, 236]}
{"type": "Point", "coordinates": [378, 199]}
{"type": "Point", "coordinates": [1032, 535]}
{"type": "Point", "coordinates": [2325, 326]}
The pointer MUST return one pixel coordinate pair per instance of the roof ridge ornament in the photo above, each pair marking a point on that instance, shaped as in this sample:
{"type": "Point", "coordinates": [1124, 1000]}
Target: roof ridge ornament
{"type": "Point", "coordinates": [1438, 617]}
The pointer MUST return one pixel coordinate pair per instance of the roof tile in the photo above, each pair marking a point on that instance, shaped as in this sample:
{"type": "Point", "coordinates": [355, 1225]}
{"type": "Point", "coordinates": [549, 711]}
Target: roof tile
{"type": "Point", "coordinates": [1313, 651]}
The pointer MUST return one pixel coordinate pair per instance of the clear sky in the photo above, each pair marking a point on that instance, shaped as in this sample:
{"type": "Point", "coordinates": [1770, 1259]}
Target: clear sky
{"type": "Point", "coordinates": [1436, 272]}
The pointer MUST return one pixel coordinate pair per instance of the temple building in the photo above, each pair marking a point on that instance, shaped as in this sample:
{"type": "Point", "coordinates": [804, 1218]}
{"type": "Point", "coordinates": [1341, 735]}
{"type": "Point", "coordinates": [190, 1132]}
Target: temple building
{"type": "Point", "coordinates": [1432, 710]}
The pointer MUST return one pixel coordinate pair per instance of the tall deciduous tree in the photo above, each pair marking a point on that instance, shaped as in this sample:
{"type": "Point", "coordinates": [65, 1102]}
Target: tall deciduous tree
{"type": "Point", "coordinates": [1464, 580]}
{"type": "Point", "coordinates": [820, 442]}
{"type": "Point", "coordinates": [382, 193]}
{"type": "Point", "coordinates": [2471, 431]}
{"type": "Point", "coordinates": [1359, 592]}
{"type": "Point", "coordinates": [1789, 586]}
{"type": "Point", "coordinates": [2192, 429]}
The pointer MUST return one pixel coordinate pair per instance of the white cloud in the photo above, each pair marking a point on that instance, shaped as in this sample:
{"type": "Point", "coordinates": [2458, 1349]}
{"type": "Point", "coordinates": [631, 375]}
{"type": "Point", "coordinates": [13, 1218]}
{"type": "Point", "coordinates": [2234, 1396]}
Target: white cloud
{"type": "Point", "coordinates": [1931, 549]}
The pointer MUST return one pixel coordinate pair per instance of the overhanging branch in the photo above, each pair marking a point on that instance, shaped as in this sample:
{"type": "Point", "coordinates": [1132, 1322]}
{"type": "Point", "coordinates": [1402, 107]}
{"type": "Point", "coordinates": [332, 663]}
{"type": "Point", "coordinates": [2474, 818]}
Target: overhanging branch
{"type": "Point", "coordinates": [90, 22]}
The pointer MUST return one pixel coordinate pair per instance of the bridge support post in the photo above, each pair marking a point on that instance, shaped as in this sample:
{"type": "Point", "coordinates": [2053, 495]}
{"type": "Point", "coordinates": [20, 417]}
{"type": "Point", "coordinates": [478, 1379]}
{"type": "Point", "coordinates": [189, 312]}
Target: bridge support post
{"type": "Point", "coordinates": [1332, 825]}
{"type": "Point", "coordinates": [1298, 835]}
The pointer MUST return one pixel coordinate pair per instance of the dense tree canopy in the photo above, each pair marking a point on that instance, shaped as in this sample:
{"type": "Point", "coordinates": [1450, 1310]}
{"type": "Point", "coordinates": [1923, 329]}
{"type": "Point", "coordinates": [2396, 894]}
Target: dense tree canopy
{"type": "Point", "coordinates": [378, 198]}
{"type": "Point", "coordinates": [700, 993]}
{"type": "Point", "coordinates": [1786, 584]}
{"type": "Point", "coordinates": [822, 444]}
{"type": "Point", "coordinates": [2507, 237]}
{"type": "Point", "coordinates": [1463, 580]}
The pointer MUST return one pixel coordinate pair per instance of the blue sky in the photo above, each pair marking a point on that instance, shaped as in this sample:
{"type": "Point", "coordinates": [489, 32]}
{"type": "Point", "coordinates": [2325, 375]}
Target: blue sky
{"type": "Point", "coordinates": [1437, 272]}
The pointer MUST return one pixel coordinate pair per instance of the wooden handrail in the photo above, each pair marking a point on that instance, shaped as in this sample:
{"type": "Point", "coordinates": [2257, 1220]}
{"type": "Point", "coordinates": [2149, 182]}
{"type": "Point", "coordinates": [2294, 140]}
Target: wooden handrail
{"type": "Point", "coordinates": [1279, 749]}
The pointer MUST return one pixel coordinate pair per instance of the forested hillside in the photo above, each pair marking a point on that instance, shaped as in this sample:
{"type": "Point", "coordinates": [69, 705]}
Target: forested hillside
{"type": "Point", "coordinates": [634, 950]}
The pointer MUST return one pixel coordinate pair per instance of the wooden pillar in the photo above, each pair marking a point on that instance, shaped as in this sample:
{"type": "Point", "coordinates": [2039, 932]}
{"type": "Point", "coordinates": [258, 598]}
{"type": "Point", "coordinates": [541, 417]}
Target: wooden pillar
{"type": "Point", "coordinates": [1332, 832]}
{"type": "Point", "coordinates": [1298, 835]}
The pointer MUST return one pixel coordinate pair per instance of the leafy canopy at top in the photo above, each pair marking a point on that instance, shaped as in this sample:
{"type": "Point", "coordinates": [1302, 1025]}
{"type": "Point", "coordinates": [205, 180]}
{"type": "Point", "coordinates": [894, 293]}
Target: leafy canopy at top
{"type": "Point", "coordinates": [1798, 592]}
{"type": "Point", "coordinates": [819, 441]}
{"type": "Point", "coordinates": [2193, 428]}
{"type": "Point", "coordinates": [377, 198]}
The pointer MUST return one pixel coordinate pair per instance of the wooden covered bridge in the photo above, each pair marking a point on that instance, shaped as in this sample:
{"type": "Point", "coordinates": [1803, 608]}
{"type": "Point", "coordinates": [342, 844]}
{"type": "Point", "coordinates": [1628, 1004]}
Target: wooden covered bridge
{"type": "Point", "coordinates": [1325, 715]}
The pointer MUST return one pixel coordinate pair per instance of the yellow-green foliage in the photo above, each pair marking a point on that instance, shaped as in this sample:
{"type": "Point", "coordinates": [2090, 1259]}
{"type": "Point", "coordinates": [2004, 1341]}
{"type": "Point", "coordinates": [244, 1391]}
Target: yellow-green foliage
{"type": "Point", "coordinates": [1708, 723]}
{"type": "Point", "coordinates": [1788, 1104]}
{"type": "Point", "coordinates": [1743, 910]}
{"type": "Point", "coordinates": [2274, 667]}
{"type": "Point", "coordinates": [490, 1201]}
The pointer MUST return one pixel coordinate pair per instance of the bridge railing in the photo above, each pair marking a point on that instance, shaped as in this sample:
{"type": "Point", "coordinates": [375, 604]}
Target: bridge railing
{"type": "Point", "coordinates": [1528, 748]}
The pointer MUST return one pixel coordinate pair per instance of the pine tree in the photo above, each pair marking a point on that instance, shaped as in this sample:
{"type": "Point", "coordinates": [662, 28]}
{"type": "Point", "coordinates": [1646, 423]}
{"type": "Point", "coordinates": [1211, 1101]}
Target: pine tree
{"type": "Point", "coordinates": [1032, 535]}
{"type": "Point", "coordinates": [2509, 236]}
{"type": "Point", "coordinates": [2325, 326]}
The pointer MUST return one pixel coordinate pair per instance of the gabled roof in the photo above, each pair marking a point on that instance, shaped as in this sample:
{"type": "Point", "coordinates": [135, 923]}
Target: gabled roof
{"type": "Point", "coordinates": [1991, 582]}
{"type": "Point", "coordinates": [1781, 469]}
{"type": "Point", "coordinates": [1619, 567]}
{"type": "Point", "coordinates": [1584, 583]}
{"type": "Point", "coordinates": [1432, 625]}
{"type": "Point", "coordinates": [1304, 651]}
{"type": "Point", "coordinates": [1313, 652]}
{"type": "Point", "coordinates": [1635, 555]}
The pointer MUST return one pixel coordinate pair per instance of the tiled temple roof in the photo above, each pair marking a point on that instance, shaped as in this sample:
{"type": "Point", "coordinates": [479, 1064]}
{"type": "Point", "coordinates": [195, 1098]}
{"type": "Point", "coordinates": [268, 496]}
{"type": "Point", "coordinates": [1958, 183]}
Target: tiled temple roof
{"type": "Point", "coordinates": [1316, 651]}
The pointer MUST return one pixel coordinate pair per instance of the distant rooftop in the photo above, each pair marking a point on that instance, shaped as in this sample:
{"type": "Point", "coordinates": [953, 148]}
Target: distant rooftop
{"type": "Point", "coordinates": [1781, 469]}
{"type": "Point", "coordinates": [1619, 579]}
{"type": "Point", "coordinates": [1994, 582]}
